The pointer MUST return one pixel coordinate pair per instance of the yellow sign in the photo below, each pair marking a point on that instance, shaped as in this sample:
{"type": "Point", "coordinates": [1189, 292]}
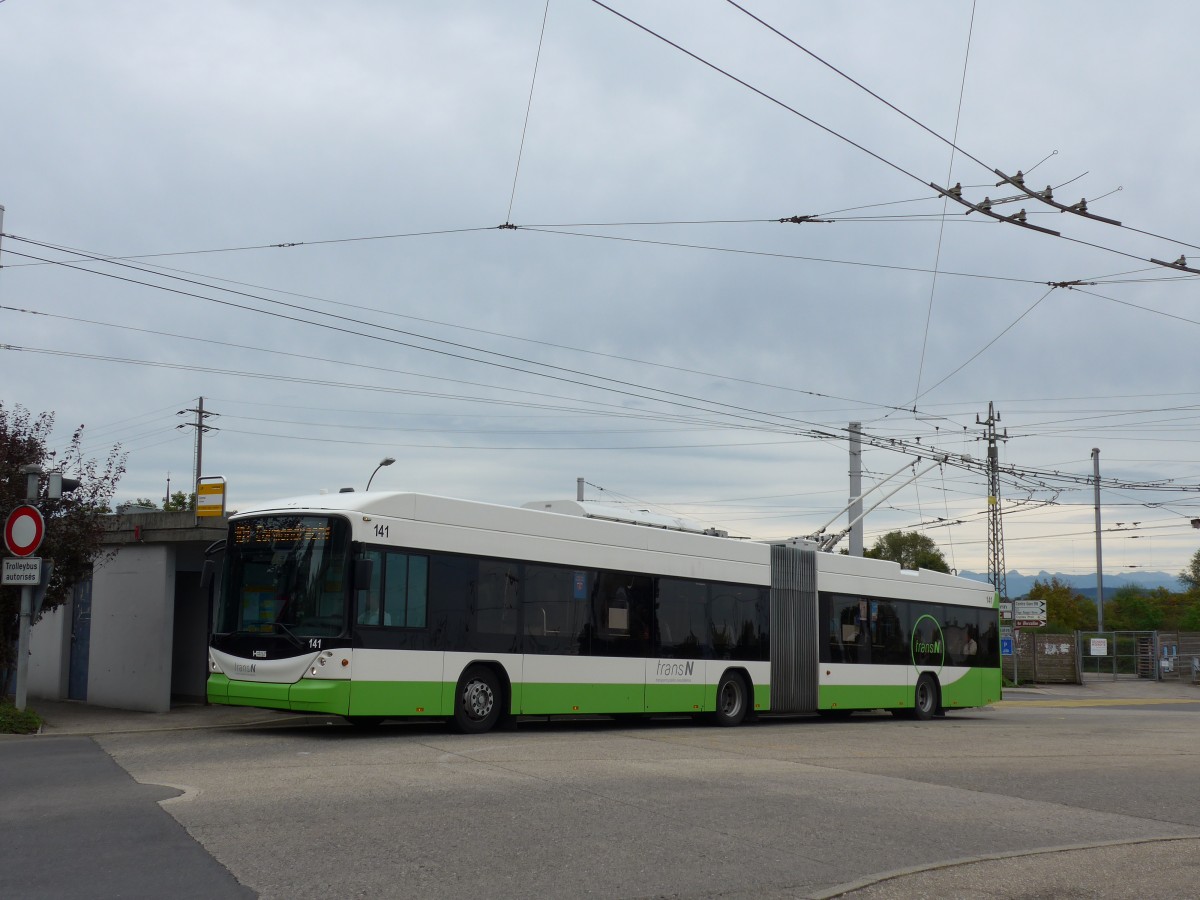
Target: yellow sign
{"type": "Point", "coordinates": [210, 497]}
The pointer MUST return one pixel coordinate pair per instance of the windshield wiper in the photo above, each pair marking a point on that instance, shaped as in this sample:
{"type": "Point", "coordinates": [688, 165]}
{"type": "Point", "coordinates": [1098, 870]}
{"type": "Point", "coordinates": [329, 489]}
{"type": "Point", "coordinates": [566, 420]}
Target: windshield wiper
{"type": "Point", "coordinates": [291, 637]}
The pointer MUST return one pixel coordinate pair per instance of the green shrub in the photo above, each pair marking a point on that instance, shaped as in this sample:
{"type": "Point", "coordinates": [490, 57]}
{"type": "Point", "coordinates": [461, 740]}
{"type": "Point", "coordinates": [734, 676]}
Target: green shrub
{"type": "Point", "coordinates": [16, 721]}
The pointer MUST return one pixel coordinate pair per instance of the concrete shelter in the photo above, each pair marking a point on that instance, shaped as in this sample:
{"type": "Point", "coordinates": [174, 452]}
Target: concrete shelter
{"type": "Point", "coordinates": [135, 636]}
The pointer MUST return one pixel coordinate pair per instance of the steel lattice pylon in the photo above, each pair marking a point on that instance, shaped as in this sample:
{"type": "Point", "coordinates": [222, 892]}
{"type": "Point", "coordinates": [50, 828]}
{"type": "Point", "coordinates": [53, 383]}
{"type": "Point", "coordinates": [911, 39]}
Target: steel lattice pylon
{"type": "Point", "coordinates": [996, 571]}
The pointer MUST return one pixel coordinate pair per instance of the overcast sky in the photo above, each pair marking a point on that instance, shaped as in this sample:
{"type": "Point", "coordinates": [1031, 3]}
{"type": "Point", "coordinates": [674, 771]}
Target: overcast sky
{"type": "Point", "coordinates": [650, 325]}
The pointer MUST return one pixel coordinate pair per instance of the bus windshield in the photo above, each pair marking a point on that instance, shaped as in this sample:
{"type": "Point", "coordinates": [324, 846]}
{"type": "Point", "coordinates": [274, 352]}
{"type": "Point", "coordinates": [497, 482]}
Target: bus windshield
{"type": "Point", "coordinates": [286, 575]}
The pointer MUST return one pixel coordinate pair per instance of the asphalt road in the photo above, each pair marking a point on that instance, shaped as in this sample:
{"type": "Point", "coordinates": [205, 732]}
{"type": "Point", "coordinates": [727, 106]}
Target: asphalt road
{"type": "Point", "coordinates": [1074, 793]}
{"type": "Point", "coordinates": [73, 824]}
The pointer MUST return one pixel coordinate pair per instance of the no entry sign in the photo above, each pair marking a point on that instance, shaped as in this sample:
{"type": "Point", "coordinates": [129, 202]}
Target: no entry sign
{"type": "Point", "coordinates": [24, 530]}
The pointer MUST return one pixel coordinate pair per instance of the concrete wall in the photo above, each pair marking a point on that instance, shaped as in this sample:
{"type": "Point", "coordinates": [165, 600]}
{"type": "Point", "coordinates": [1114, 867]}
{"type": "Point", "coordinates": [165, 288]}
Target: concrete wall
{"type": "Point", "coordinates": [133, 616]}
{"type": "Point", "coordinates": [50, 653]}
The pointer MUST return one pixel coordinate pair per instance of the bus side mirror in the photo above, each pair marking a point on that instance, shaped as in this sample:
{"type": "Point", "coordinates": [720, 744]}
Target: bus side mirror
{"type": "Point", "coordinates": [206, 574]}
{"type": "Point", "coordinates": [364, 569]}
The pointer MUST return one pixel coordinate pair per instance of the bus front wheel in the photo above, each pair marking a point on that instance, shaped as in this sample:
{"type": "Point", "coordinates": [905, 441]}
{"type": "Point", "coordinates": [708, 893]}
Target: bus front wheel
{"type": "Point", "coordinates": [733, 700]}
{"type": "Point", "coordinates": [477, 701]}
{"type": "Point", "coordinates": [926, 699]}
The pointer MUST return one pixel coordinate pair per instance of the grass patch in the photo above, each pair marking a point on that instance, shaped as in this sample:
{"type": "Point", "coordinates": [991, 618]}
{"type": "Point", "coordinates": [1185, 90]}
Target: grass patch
{"type": "Point", "coordinates": [16, 721]}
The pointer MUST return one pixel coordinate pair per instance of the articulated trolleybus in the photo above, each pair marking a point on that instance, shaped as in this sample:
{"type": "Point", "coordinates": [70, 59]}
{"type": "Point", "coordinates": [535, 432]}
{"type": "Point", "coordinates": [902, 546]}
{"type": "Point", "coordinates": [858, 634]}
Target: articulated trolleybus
{"type": "Point", "coordinates": [388, 605]}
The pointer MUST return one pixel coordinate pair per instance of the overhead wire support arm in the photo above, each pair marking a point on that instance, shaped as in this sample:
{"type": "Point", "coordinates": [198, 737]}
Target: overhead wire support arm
{"type": "Point", "coordinates": [955, 194]}
{"type": "Point", "coordinates": [1047, 197]}
{"type": "Point", "coordinates": [1180, 264]}
{"type": "Point", "coordinates": [800, 220]}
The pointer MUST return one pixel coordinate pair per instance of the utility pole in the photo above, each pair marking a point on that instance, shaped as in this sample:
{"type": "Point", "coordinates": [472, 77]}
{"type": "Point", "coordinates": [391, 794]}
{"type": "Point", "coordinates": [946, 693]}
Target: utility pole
{"type": "Point", "coordinates": [201, 414]}
{"type": "Point", "coordinates": [1099, 558]}
{"type": "Point", "coordinates": [856, 509]}
{"type": "Point", "coordinates": [995, 523]}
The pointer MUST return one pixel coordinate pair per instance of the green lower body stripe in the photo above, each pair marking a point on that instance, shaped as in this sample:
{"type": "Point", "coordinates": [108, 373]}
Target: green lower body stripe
{"type": "Point", "coordinates": [436, 698]}
{"type": "Point", "coordinates": [978, 687]}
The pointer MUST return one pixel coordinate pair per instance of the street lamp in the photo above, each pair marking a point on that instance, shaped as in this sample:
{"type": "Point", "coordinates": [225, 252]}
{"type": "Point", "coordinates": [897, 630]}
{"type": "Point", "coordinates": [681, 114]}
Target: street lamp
{"type": "Point", "coordinates": [386, 461]}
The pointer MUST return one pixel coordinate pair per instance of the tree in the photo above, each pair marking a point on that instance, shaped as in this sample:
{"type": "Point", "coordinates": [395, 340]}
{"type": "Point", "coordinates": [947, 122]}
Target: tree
{"type": "Point", "coordinates": [74, 524]}
{"type": "Point", "coordinates": [911, 549]}
{"type": "Point", "coordinates": [180, 502]}
{"type": "Point", "coordinates": [1190, 577]}
{"type": "Point", "coordinates": [177, 502]}
{"type": "Point", "coordinates": [1066, 609]}
{"type": "Point", "coordinates": [1133, 609]}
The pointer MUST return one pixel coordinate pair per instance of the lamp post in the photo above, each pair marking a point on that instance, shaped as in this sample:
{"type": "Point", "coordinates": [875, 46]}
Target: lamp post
{"type": "Point", "coordinates": [386, 461]}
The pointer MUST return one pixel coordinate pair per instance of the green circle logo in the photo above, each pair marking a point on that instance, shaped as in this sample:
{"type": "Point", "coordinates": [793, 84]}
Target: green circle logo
{"type": "Point", "coordinates": [934, 644]}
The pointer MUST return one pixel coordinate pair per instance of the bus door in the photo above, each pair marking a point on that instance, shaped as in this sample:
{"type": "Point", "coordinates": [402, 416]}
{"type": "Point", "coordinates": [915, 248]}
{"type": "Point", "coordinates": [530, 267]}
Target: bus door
{"type": "Point", "coordinates": [675, 673]}
{"type": "Point", "coordinates": [621, 642]}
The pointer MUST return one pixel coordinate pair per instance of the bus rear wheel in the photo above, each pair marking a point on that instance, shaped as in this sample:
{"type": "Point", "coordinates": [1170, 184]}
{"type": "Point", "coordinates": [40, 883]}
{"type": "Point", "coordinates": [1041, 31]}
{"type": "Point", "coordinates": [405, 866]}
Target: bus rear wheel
{"type": "Point", "coordinates": [733, 700]}
{"type": "Point", "coordinates": [477, 701]}
{"type": "Point", "coordinates": [926, 699]}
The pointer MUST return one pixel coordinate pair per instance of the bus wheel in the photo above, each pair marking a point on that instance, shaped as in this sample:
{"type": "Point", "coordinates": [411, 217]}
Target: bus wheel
{"type": "Point", "coordinates": [926, 698]}
{"type": "Point", "coordinates": [477, 701]}
{"type": "Point", "coordinates": [732, 700]}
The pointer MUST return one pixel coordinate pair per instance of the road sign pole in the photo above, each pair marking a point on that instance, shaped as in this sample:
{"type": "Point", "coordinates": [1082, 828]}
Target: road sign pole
{"type": "Point", "coordinates": [23, 532]}
{"type": "Point", "coordinates": [1016, 652]}
{"type": "Point", "coordinates": [23, 646]}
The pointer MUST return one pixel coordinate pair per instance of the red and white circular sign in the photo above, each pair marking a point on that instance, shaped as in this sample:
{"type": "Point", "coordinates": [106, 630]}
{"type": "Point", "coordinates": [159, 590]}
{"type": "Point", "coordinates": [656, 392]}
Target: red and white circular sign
{"type": "Point", "coordinates": [24, 530]}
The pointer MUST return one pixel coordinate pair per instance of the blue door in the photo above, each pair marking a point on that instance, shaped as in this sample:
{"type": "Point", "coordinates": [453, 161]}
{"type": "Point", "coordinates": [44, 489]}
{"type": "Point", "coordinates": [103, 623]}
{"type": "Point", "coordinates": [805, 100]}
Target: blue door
{"type": "Point", "coordinates": [81, 639]}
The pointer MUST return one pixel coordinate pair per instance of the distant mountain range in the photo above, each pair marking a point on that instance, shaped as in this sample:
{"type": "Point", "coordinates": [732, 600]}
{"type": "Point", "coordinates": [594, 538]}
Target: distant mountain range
{"type": "Point", "coordinates": [1018, 585]}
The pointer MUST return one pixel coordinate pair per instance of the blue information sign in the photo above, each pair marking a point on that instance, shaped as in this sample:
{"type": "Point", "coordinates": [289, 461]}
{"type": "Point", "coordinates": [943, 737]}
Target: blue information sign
{"type": "Point", "coordinates": [1006, 646]}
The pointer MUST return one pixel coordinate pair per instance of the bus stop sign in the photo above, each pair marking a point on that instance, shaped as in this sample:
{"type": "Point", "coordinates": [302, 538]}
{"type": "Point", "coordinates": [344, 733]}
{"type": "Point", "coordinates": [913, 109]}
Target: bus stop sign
{"type": "Point", "coordinates": [24, 530]}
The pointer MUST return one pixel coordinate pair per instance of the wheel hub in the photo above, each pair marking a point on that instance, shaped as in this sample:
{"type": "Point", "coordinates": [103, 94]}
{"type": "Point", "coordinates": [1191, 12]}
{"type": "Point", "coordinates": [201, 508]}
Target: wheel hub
{"type": "Point", "coordinates": [478, 700]}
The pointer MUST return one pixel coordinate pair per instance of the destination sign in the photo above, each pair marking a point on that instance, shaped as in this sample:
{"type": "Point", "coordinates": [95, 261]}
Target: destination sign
{"type": "Point", "coordinates": [273, 534]}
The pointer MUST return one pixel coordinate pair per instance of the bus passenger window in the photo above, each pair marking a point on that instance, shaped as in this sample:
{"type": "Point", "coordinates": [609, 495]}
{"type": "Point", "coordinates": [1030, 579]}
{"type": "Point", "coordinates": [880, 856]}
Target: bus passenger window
{"type": "Point", "coordinates": [623, 612]}
{"type": "Point", "coordinates": [556, 610]}
{"type": "Point", "coordinates": [497, 597]}
{"type": "Point", "coordinates": [406, 590]}
{"type": "Point", "coordinates": [398, 595]}
{"type": "Point", "coordinates": [738, 619]}
{"type": "Point", "coordinates": [369, 605]}
{"type": "Point", "coordinates": [682, 620]}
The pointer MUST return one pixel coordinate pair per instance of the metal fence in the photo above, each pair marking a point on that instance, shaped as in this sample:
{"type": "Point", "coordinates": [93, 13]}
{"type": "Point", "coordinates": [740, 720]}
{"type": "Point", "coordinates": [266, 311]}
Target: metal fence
{"type": "Point", "coordinates": [1157, 655]}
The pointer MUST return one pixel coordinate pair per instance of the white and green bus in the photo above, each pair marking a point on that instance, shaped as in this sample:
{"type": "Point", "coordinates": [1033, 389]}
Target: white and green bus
{"type": "Point", "coordinates": [388, 605]}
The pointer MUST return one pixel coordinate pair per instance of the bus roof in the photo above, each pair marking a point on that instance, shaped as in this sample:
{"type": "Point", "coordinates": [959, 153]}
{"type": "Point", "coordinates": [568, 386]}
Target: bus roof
{"type": "Point", "coordinates": [591, 524]}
